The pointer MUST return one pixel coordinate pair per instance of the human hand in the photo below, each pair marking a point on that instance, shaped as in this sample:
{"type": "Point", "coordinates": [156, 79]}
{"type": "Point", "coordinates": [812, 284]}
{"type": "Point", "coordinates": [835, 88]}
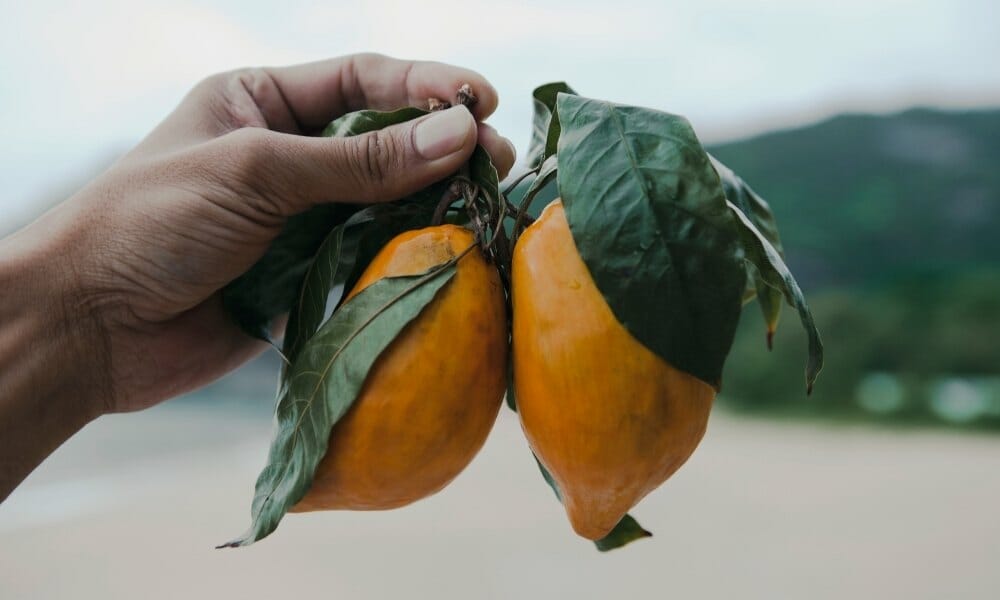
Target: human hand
{"type": "Point", "coordinates": [152, 241]}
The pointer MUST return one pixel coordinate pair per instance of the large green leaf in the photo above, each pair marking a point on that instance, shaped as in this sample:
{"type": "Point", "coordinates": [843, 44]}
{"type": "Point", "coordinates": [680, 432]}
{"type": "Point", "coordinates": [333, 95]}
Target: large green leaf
{"type": "Point", "coordinates": [773, 273]}
{"type": "Point", "coordinates": [650, 220]}
{"type": "Point", "coordinates": [324, 381]}
{"type": "Point", "coordinates": [545, 122]}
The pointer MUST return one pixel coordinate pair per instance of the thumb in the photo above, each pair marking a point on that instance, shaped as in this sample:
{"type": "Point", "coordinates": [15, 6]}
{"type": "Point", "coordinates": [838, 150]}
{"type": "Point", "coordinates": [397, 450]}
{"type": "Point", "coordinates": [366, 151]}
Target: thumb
{"type": "Point", "coordinates": [298, 171]}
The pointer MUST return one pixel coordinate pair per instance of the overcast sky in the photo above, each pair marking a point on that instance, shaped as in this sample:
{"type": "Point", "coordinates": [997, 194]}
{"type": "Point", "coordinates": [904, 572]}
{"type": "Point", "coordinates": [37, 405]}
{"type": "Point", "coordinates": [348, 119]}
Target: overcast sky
{"type": "Point", "coordinates": [84, 80]}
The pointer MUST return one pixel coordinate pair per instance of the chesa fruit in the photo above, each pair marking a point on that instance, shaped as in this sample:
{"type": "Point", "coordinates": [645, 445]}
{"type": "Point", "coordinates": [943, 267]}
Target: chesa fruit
{"type": "Point", "coordinates": [607, 417]}
{"type": "Point", "coordinates": [431, 398]}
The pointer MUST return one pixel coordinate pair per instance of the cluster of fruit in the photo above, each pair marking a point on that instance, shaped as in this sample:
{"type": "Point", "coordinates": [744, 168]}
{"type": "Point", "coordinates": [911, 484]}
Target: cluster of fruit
{"type": "Point", "coordinates": [606, 320]}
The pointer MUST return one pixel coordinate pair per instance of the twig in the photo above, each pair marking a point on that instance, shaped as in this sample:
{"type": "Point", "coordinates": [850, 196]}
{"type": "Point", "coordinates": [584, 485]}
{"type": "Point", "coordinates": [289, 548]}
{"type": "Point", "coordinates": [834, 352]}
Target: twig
{"type": "Point", "coordinates": [522, 177]}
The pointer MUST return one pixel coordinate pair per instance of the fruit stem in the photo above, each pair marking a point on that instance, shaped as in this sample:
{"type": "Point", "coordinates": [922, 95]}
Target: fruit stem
{"type": "Point", "coordinates": [487, 221]}
{"type": "Point", "coordinates": [463, 96]}
{"type": "Point", "coordinates": [522, 177]}
{"type": "Point", "coordinates": [449, 197]}
{"type": "Point", "coordinates": [523, 219]}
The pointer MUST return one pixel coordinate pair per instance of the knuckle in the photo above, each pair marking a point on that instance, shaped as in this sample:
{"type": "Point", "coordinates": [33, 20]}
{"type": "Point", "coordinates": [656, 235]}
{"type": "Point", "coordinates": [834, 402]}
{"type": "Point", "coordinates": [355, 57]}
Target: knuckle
{"type": "Point", "coordinates": [221, 85]}
{"type": "Point", "coordinates": [368, 59]}
{"type": "Point", "coordinates": [375, 157]}
{"type": "Point", "coordinates": [231, 96]}
{"type": "Point", "coordinates": [226, 79]}
{"type": "Point", "coordinates": [251, 79]}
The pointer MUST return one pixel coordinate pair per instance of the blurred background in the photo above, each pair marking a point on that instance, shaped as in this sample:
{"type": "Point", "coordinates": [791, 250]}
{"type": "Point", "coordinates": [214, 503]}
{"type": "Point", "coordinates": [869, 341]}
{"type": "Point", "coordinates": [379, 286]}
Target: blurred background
{"type": "Point", "coordinates": [872, 128]}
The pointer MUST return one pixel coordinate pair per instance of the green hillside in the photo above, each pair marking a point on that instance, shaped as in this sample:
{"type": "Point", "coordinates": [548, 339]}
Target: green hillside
{"type": "Point", "coordinates": [890, 223]}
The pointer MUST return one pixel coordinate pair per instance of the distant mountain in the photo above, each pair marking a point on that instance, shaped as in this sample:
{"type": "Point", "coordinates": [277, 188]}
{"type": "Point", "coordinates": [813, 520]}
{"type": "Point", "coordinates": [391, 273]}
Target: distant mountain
{"type": "Point", "coordinates": [892, 224]}
{"type": "Point", "coordinates": [865, 198]}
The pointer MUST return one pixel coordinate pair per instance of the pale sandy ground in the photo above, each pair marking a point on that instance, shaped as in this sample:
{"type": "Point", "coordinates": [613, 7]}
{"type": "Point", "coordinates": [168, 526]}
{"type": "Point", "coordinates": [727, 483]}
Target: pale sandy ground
{"type": "Point", "coordinates": [133, 506]}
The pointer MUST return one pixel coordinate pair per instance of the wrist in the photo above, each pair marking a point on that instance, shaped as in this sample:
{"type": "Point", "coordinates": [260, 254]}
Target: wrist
{"type": "Point", "coordinates": [52, 354]}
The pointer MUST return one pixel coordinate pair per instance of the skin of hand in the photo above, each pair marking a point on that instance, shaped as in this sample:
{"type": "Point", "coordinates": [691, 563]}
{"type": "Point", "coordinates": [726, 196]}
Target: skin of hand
{"type": "Point", "coordinates": [110, 301]}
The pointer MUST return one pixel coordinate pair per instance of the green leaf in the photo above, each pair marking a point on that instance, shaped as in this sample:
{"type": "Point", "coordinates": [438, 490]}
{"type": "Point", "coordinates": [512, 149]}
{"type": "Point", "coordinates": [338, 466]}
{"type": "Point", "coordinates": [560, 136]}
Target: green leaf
{"type": "Point", "coordinates": [769, 300]}
{"type": "Point", "coordinates": [363, 121]}
{"type": "Point", "coordinates": [759, 212]}
{"type": "Point", "coordinates": [324, 381]}
{"type": "Point", "coordinates": [545, 122]}
{"type": "Point", "coordinates": [627, 530]}
{"type": "Point", "coordinates": [483, 173]}
{"type": "Point", "coordinates": [650, 220]}
{"type": "Point", "coordinates": [329, 269]}
{"type": "Point", "coordinates": [750, 204]}
{"type": "Point", "coordinates": [773, 273]}
{"type": "Point", "coordinates": [269, 288]}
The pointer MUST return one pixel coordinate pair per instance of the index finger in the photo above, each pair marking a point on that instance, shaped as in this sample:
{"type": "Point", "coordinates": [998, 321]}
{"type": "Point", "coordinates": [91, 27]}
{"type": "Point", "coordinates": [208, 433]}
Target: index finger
{"type": "Point", "coordinates": [318, 92]}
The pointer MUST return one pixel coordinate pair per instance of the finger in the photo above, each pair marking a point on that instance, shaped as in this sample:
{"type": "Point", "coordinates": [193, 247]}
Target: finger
{"type": "Point", "coordinates": [500, 149]}
{"type": "Point", "coordinates": [289, 173]}
{"type": "Point", "coordinates": [318, 92]}
{"type": "Point", "coordinates": [304, 98]}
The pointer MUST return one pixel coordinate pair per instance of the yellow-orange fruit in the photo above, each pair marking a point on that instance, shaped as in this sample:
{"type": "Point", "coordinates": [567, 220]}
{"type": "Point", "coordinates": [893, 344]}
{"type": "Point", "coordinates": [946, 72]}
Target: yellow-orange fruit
{"type": "Point", "coordinates": [607, 417]}
{"type": "Point", "coordinates": [431, 398]}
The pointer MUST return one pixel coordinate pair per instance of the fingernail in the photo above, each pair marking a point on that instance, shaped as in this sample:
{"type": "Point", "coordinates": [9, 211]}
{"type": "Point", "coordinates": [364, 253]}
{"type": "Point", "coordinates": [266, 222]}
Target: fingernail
{"type": "Point", "coordinates": [443, 133]}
